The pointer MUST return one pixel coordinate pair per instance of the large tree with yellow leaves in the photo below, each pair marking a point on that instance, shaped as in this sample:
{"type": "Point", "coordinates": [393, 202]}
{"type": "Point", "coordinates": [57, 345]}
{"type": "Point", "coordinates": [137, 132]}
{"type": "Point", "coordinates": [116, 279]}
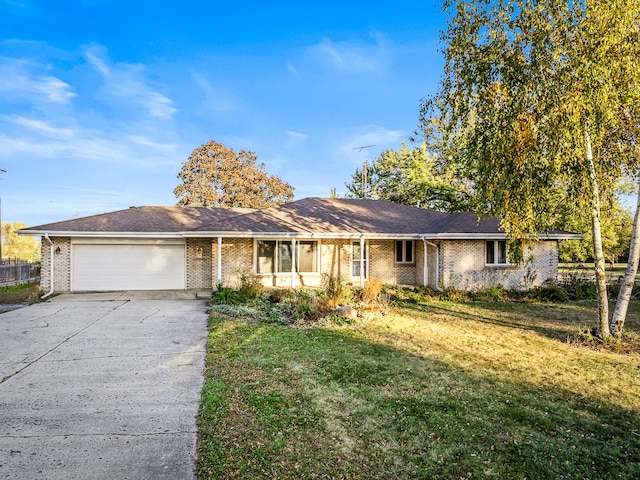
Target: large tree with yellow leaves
{"type": "Point", "coordinates": [218, 176]}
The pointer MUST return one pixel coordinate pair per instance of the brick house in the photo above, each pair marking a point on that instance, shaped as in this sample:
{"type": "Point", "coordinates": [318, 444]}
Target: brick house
{"type": "Point", "coordinates": [296, 244]}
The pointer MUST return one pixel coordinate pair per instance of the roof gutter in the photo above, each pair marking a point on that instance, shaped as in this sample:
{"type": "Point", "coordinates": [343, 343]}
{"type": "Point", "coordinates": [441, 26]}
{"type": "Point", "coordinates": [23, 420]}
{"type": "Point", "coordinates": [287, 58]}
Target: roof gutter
{"type": "Point", "coordinates": [50, 292]}
{"type": "Point", "coordinates": [63, 233]}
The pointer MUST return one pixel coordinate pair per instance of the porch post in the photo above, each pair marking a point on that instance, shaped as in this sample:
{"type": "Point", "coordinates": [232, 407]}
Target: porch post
{"type": "Point", "coordinates": [219, 260]}
{"type": "Point", "coordinates": [363, 269]}
{"type": "Point", "coordinates": [293, 262]}
{"type": "Point", "coordinates": [425, 280]}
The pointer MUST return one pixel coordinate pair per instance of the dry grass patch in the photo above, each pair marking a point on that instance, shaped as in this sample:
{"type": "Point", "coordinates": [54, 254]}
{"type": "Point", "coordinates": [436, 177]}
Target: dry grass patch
{"type": "Point", "coordinates": [15, 294]}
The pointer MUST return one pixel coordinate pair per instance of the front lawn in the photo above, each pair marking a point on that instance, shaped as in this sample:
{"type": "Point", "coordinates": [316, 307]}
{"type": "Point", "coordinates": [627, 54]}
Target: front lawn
{"type": "Point", "coordinates": [430, 389]}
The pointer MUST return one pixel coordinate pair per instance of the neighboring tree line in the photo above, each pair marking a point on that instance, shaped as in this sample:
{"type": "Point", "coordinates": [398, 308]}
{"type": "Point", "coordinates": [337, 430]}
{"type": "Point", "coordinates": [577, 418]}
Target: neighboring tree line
{"type": "Point", "coordinates": [415, 176]}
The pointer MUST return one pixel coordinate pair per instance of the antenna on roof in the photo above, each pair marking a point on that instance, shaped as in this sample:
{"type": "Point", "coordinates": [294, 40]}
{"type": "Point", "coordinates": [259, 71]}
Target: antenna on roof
{"type": "Point", "coordinates": [364, 169]}
{"type": "Point", "coordinates": [362, 147]}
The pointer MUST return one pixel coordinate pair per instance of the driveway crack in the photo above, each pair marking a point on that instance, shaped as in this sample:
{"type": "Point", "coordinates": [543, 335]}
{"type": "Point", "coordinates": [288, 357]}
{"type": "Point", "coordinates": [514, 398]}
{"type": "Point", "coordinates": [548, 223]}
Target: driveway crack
{"type": "Point", "coordinates": [7, 377]}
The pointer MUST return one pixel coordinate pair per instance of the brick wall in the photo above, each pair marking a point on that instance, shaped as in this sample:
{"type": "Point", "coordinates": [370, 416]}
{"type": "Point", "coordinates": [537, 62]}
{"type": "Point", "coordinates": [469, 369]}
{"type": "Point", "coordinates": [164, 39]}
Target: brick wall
{"type": "Point", "coordinates": [382, 255]}
{"type": "Point", "coordinates": [463, 266]}
{"type": "Point", "coordinates": [61, 265]}
{"type": "Point", "coordinates": [336, 259]}
{"type": "Point", "coordinates": [199, 257]}
{"type": "Point", "coordinates": [237, 260]}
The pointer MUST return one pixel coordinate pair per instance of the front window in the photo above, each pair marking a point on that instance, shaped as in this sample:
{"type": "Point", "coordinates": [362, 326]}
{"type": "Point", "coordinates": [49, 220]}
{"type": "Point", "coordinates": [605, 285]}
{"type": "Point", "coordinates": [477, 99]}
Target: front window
{"type": "Point", "coordinates": [404, 251]}
{"type": "Point", "coordinates": [496, 252]}
{"type": "Point", "coordinates": [276, 256]}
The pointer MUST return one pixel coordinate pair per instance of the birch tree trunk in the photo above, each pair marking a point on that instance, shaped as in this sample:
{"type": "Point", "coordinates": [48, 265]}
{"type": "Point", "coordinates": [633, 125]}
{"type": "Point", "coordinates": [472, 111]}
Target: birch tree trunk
{"type": "Point", "coordinates": [598, 254]}
{"type": "Point", "coordinates": [626, 289]}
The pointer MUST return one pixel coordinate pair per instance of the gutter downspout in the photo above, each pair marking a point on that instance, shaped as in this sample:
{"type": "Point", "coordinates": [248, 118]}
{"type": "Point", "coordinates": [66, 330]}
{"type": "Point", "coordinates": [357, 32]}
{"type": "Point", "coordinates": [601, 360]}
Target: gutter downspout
{"type": "Point", "coordinates": [426, 268]}
{"type": "Point", "coordinates": [51, 256]}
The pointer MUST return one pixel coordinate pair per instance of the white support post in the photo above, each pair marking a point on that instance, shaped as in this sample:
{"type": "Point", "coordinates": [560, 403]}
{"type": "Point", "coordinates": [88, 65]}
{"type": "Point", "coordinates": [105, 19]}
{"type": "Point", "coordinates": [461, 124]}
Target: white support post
{"type": "Point", "coordinates": [219, 260]}
{"type": "Point", "coordinates": [363, 269]}
{"type": "Point", "coordinates": [425, 280]}
{"type": "Point", "coordinates": [293, 262]}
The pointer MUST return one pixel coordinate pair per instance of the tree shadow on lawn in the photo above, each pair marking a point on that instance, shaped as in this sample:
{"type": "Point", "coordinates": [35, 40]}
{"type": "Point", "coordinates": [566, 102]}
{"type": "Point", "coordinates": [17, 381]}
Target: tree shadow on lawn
{"type": "Point", "coordinates": [383, 412]}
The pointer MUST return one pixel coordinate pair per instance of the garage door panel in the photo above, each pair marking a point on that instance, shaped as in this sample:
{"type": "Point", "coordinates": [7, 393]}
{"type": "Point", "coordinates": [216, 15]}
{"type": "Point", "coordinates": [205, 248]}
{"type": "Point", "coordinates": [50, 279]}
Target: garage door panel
{"type": "Point", "coordinates": [128, 267]}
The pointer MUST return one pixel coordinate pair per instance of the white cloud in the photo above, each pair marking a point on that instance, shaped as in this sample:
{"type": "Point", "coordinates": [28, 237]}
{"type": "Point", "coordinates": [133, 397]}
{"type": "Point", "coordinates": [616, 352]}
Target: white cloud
{"type": "Point", "coordinates": [216, 99]}
{"type": "Point", "coordinates": [352, 57]}
{"type": "Point", "coordinates": [297, 136]}
{"type": "Point", "coordinates": [375, 138]}
{"type": "Point", "coordinates": [42, 127]}
{"type": "Point", "coordinates": [127, 82]}
{"type": "Point", "coordinates": [98, 64]}
{"type": "Point", "coordinates": [35, 139]}
{"type": "Point", "coordinates": [291, 67]}
{"type": "Point", "coordinates": [24, 79]}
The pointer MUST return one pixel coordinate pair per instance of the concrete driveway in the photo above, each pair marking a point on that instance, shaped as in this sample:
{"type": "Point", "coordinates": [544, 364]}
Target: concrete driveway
{"type": "Point", "coordinates": [101, 386]}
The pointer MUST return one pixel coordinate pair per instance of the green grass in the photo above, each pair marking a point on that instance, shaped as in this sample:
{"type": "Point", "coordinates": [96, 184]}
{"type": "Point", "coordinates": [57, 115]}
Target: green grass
{"type": "Point", "coordinates": [428, 390]}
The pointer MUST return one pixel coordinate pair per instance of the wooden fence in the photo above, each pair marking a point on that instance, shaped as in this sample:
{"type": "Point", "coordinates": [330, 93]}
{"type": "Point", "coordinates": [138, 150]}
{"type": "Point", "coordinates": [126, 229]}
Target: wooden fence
{"type": "Point", "coordinates": [17, 274]}
{"type": "Point", "coordinates": [585, 273]}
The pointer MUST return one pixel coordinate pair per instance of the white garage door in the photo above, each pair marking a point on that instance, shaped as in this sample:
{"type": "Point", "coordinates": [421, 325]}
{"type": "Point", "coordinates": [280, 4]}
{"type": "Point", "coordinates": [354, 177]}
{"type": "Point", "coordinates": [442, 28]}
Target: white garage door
{"type": "Point", "coordinates": [150, 265]}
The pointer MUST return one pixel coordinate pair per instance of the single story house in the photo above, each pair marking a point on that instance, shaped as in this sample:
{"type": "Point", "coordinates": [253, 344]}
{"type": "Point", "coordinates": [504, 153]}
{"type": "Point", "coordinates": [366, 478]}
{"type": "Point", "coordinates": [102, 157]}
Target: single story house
{"type": "Point", "coordinates": [295, 244]}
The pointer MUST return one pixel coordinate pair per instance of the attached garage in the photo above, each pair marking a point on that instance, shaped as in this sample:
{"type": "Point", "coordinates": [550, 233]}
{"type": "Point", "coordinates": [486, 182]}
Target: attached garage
{"type": "Point", "coordinates": [127, 264]}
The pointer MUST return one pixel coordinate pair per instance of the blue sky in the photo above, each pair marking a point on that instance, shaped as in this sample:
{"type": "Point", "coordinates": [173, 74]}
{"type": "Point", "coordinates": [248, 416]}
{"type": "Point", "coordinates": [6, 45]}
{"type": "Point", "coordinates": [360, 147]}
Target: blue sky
{"type": "Point", "coordinates": [102, 101]}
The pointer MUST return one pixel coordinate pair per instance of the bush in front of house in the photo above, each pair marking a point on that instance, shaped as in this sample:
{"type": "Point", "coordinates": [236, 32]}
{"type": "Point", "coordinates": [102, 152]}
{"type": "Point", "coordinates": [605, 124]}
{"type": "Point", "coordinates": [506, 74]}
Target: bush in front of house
{"type": "Point", "coordinates": [301, 306]}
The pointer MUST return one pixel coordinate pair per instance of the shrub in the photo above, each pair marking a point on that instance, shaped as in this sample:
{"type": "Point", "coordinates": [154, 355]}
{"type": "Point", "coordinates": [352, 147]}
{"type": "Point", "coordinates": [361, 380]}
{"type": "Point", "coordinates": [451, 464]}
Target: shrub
{"type": "Point", "coordinates": [579, 289]}
{"type": "Point", "coordinates": [250, 286]}
{"type": "Point", "coordinates": [455, 295]}
{"type": "Point", "coordinates": [304, 311]}
{"type": "Point", "coordinates": [492, 294]}
{"type": "Point", "coordinates": [335, 291]}
{"type": "Point", "coordinates": [225, 296]}
{"type": "Point", "coordinates": [277, 295]}
{"type": "Point", "coordinates": [549, 293]}
{"type": "Point", "coordinates": [372, 289]}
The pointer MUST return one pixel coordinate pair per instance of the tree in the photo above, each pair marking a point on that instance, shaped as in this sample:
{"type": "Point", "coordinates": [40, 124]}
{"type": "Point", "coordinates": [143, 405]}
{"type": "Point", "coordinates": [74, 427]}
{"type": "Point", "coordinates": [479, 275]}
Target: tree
{"type": "Point", "coordinates": [617, 223]}
{"type": "Point", "coordinates": [412, 177]}
{"type": "Point", "coordinates": [540, 96]}
{"type": "Point", "coordinates": [217, 176]}
{"type": "Point", "coordinates": [15, 246]}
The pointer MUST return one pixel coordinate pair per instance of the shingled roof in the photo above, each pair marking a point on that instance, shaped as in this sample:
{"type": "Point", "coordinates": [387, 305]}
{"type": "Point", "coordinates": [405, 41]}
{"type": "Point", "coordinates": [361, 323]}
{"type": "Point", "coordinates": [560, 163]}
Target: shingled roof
{"type": "Point", "coordinates": [318, 217]}
{"type": "Point", "coordinates": [330, 216]}
{"type": "Point", "coordinates": [168, 220]}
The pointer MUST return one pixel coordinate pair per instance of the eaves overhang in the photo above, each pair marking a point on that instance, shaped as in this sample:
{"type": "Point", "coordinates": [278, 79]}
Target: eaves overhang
{"type": "Point", "coordinates": [498, 236]}
{"type": "Point", "coordinates": [331, 235]}
{"type": "Point", "coordinates": [58, 233]}
{"type": "Point", "coordinates": [314, 235]}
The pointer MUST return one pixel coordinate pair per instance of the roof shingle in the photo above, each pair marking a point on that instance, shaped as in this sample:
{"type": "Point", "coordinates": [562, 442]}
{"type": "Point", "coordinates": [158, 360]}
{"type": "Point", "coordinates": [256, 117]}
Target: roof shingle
{"type": "Point", "coordinates": [313, 216]}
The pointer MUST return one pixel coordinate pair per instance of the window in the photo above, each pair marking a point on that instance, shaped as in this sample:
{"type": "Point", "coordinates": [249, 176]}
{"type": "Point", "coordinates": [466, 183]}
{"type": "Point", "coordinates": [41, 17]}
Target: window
{"type": "Point", "coordinates": [404, 251]}
{"type": "Point", "coordinates": [358, 264]}
{"type": "Point", "coordinates": [496, 252]}
{"type": "Point", "coordinates": [275, 256]}
{"type": "Point", "coordinates": [307, 256]}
